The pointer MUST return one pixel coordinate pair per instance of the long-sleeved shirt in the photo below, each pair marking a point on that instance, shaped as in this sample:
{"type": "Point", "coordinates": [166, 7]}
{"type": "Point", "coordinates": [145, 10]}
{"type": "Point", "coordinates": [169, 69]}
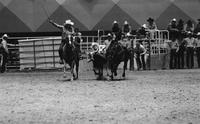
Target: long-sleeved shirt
{"type": "Point", "coordinates": [190, 42]}
{"type": "Point", "coordinates": [197, 42]}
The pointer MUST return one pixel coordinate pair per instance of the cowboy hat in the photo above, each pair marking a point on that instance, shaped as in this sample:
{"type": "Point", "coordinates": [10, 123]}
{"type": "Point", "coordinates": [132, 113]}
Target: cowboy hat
{"type": "Point", "coordinates": [69, 22]}
{"type": "Point", "coordinates": [150, 19]}
{"type": "Point", "coordinates": [109, 34]}
{"type": "Point", "coordinates": [174, 20]}
{"type": "Point", "coordinates": [114, 22]}
{"type": "Point", "coordinates": [144, 26]}
{"type": "Point", "coordinates": [125, 22]}
{"type": "Point", "coordinates": [5, 36]}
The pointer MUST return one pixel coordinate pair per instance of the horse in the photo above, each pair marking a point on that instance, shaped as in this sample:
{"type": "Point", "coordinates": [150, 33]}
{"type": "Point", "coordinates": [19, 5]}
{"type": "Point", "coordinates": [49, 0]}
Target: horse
{"type": "Point", "coordinates": [115, 54]}
{"type": "Point", "coordinates": [71, 57]}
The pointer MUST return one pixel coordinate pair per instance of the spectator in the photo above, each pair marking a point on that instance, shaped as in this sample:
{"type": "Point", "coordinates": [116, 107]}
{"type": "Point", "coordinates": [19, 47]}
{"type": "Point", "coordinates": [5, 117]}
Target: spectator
{"type": "Point", "coordinates": [197, 28]}
{"type": "Point", "coordinates": [180, 25]}
{"type": "Point", "coordinates": [180, 52]}
{"type": "Point", "coordinates": [116, 31]}
{"type": "Point", "coordinates": [77, 40]}
{"type": "Point", "coordinates": [4, 47]}
{"type": "Point", "coordinates": [151, 24]}
{"type": "Point", "coordinates": [181, 44]}
{"type": "Point", "coordinates": [126, 29]}
{"type": "Point", "coordinates": [189, 26]}
{"type": "Point", "coordinates": [173, 54]}
{"type": "Point", "coordinates": [190, 44]}
{"type": "Point", "coordinates": [141, 33]}
{"type": "Point", "coordinates": [140, 52]}
{"type": "Point", "coordinates": [173, 30]}
{"type": "Point", "coordinates": [197, 43]}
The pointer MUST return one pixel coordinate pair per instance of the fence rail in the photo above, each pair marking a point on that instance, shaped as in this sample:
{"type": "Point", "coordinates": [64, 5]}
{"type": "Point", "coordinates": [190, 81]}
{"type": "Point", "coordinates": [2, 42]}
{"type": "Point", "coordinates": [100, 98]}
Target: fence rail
{"type": "Point", "coordinates": [42, 52]}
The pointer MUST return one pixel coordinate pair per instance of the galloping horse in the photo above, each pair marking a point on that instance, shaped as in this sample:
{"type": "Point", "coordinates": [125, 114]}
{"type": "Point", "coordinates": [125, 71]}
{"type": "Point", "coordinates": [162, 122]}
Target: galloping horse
{"type": "Point", "coordinates": [115, 54]}
{"type": "Point", "coordinates": [71, 57]}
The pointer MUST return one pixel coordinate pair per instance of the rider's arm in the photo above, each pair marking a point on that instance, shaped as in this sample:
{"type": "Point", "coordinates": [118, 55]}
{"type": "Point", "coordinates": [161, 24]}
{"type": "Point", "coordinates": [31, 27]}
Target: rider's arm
{"type": "Point", "coordinates": [55, 24]}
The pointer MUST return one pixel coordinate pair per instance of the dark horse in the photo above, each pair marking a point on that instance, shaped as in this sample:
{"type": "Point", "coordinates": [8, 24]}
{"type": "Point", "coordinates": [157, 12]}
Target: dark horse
{"type": "Point", "coordinates": [71, 57]}
{"type": "Point", "coordinates": [115, 54]}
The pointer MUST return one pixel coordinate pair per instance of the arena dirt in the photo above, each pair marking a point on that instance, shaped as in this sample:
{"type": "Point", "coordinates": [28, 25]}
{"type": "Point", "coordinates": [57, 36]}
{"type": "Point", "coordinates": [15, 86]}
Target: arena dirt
{"type": "Point", "coordinates": [145, 97]}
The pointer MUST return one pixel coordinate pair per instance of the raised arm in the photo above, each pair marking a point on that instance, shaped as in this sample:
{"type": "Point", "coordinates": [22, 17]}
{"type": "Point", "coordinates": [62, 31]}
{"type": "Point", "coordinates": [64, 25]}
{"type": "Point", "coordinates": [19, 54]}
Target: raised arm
{"type": "Point", "coordinates": [55, 24]}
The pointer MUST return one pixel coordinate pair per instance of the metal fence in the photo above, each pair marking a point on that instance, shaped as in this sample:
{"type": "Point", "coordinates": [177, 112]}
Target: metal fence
{"type": "Point", "coordinates": [42, 52]}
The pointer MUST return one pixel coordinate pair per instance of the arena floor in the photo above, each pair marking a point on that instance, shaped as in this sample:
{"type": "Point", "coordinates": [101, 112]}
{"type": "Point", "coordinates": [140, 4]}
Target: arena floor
{"type": "Point", "coordinates": [145, 97]}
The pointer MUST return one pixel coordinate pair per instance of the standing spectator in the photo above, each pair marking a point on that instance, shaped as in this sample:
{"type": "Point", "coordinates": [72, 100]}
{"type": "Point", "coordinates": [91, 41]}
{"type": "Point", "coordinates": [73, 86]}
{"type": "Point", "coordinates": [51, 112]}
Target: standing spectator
{"type": "Point", "coordinates": [180, 25]}
{"type": "Point", "coordinates": [116, 31]}
{"type": "Point", "coordinates": [190, 44]}
{"type": "Point", "coordinates": [173, 36]}
{"type": "Point", "coordinates": [108, 41]}
{"type": "Point", "coordinates": [140, 52]}
{"type": "Point", "coordinates": [180, 52]}
{"type": "Point", "coordinates": [141, 32]}
{"type": "Point", "coordinates": [4, 47]}
{"type": "Point", "coordinates": [126, 29]}
{"type": "Point", "coordinates": [151, 24]}
{"type": "Point", "coordinates": [173, 54]}
{"type": "Point", "coordinates": [77, 40]}
{"type": "Point", "coordinates": [4, 51]}
{"type": "Point", "coordinates": [173, 30]}
{"type": "Point", "coordinates": [197, 28]}
{"type": "Point", "coordinates": [189, 26]}
{"type": "Point", "coordinates": [197, 42]}
{"type": "Point", "coordinates": [181, 44]}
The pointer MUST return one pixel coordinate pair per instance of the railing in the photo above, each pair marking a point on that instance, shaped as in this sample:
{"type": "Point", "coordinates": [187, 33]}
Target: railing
{"type": "Point", "coordinates": [156, 38]}
{"type": "Point", "coordinates": [42, 52]}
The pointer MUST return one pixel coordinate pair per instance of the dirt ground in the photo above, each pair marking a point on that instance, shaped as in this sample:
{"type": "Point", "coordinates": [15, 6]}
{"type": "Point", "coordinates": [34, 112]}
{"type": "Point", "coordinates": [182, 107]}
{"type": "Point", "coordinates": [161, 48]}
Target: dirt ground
{"type": "Point", "coordinates": [145, 97]}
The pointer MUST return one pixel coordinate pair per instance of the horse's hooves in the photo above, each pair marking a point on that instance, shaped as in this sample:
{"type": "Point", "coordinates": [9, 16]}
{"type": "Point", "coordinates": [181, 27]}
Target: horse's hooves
{"type": "Point", "coordinates": [75, 78]}
{"type": "Point", "coordinates": [115, 73]}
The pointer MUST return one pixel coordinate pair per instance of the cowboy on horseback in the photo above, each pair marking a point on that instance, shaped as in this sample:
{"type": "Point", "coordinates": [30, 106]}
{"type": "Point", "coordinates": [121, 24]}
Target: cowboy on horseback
{"type": "Point", "coordinates": [67, 35]}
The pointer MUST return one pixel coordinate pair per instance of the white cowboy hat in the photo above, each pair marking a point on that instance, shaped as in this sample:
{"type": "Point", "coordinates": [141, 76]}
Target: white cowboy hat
{"type": "Point", "coordinates": [109, 34]}
{"type": "Point", "coordinates": [5, 35]}
{"type": "Point", "coordinates": [114, 22]}
{"type": "Point", "coordinates": [189, 32]}
{"type": "Point", "coordinates": [128, 34]}
{"type": "Point", "coordinates": [69, 22]}
{"type": "Point", "coordinates": [144, 26]}
{"type": "Point", "coordinates": [174, 20]}
{"type": "Point", "coordinates": [125, 22]}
